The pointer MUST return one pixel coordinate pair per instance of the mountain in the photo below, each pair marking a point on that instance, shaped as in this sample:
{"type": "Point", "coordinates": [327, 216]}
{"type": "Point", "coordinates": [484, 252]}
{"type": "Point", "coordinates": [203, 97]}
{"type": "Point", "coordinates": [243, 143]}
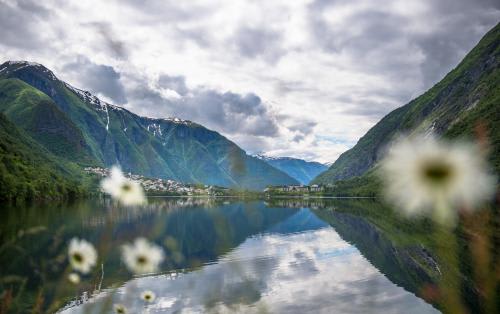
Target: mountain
{"type": "Point", "coordinates": [301, 170]}
{"type": "Point", "coordinates": [75, 125]}
{"type": "Point", "coordinates": [466, 99]}
{"type": "Point", "coordinates": [29, 171]}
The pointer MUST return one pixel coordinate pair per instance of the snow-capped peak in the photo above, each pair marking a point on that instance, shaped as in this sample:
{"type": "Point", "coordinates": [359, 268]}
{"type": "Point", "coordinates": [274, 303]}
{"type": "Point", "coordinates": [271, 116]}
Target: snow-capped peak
{"type": "Point", "coordinates": [262, 156]}
{"type": "Point", "coordinates": [170, 119]}
{"type": "Point", "coordinates": [91, 98]}
{"type": "Point", "coordinates": [21, 62]}
{"type": "Point", "coordinates": [99, 105]}
{"type": "Point", "coordinates": [12, 66]}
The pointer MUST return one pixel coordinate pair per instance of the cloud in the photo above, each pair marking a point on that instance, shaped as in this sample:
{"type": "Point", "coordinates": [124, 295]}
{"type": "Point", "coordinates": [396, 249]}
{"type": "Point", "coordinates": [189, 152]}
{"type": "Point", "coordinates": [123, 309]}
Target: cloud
{"type": "Point", "coordinates": [98, 78]}
{"type": "Point", "coordinates": [175, 83]}
{"type": "Point", "coordinates": [258, 42]}
{"type": "Point", "coordinates": [114, 44]}
{"type": "Point", "coordinates": [307, 271]}
{"type": "Point", "coordinates": [227, 112]}
{"type": "Point", "coordinates": [194, 34]}
{"type": "Point", "coordinates": [388, 40]}
{"type": "Point", "coordinates": [304, 127]}
{"type": "Point", "coordinates": [170, 10]}
{"type": "Point", "coordinates": [252, 69]}
{"type": "Point", "coordinates": [18, 23]}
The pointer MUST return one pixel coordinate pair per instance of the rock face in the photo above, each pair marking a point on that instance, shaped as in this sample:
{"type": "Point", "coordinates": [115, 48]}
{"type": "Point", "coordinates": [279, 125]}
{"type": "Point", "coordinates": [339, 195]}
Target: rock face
{"type": "Point", "coordinates": [469, 95]}
{"type": "Point", "coordinates": [76, 125]}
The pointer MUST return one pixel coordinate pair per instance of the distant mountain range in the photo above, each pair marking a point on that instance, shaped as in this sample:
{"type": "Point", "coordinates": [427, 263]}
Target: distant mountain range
{"type": "Point", "coordinates": [301, 170]}
{"type": "Point", "coordinates": [76, 126]}
{"type": "Point", "coordinates": [466, 100]}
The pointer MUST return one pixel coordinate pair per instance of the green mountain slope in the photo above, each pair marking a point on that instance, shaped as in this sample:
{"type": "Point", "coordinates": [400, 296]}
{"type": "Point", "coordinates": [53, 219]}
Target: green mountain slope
{"type": "Point", "coordinates": [79, 126]}
{"type": "Point", "coordinates": [37, 114]}
{"type": "Point", "coordinates": [29, 171]}
{"type": "Point", "coordinates": [467, 97]}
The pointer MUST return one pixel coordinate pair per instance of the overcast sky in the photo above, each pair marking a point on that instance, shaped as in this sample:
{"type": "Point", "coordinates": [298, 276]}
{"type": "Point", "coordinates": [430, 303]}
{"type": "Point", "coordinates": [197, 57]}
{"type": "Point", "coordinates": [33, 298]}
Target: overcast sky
{"type": "Point", "coordinates": [289, 78]}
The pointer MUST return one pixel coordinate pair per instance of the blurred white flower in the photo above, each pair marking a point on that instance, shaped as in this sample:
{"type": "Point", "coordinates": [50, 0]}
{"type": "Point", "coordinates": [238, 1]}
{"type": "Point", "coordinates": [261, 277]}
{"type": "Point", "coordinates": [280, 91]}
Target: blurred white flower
{"type": "Point", "coordinates": [430, 176]}
{"type": "Point", "coordinates": [148, 296]}
{"type": "Point", "coordinates": [74, 278]}
{"type": "Point", "coordinates": [142, 257]}
{"type": "Point", "coordinates": [127, 192]}
{"type": "Point", "coordinates": [120, 308]}
{"type": "Point", "coordinates": [82, 255]}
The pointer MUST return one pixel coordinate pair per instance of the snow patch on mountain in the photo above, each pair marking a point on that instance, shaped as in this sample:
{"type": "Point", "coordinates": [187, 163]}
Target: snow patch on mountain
{"type": "Point", "coordinates": [155, 128]}
{"type": "Point", "coordinates": [29, 63]}
{"type": "Point", "coordinates": [90, 98]}
{"type": "Point", "coordinates": [171, 120]}
{"type": "Point", "coordinates": [265, 157]}
{"type": "Point", "coordinates": [12, 66]}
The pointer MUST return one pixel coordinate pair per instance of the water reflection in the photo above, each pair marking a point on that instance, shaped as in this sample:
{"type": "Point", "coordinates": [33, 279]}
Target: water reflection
{"type": "Point", "coordinates": [311, 271]}
{"type": "Point", "coordinates": [281, 256]}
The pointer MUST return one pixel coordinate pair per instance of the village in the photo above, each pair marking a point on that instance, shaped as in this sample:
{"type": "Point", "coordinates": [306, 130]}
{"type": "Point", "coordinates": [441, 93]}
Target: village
{"type": "Point", "coordinates": [164, 186]}
{"type": "Point", "coordinates": [295, 189]}
{"type": "Point", "coordinates": [167, 187]}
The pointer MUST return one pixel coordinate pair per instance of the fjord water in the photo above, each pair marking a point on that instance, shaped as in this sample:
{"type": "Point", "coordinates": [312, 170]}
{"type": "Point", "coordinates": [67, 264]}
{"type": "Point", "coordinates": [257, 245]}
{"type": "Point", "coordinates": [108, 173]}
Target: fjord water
{"type": "Point", "coordinates": [221, 256]}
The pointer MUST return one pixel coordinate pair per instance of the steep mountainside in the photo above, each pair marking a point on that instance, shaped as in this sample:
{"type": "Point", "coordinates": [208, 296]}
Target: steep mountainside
{"type": "Point", "coordinates": [76, 125]}
{"type": "Point", "coordinates": [301, 170]}
{"type": "Point", "coordinates": [467, 97]}
{"type": "Point", "coordinates": [39, 116]}
{"type": "Point", "coordinates": [29, 171]}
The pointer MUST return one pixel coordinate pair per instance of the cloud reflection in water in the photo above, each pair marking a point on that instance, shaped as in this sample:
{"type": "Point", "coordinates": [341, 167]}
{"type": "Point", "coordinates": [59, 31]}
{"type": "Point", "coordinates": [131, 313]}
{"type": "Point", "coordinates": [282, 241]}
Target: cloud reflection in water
{"type": "Point", "coordinates": [313, 271]}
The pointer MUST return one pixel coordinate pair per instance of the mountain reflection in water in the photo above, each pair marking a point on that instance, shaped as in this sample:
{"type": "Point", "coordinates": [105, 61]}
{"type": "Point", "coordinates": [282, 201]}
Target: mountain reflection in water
{"type": "Point", "coordinates": [225, 257]}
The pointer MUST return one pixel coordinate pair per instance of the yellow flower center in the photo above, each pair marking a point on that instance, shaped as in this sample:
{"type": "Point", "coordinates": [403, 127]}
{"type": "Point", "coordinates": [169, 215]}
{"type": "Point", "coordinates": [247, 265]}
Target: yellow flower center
{"type": "Point", "coordinates": [437, 172]}
{"type": "Point", "coordinates": [77, 257]}
{"type": "Point", "coordinates": [147, 297]}
{"type": "Point", "coordinates": [141, 259]}
{"type": "Point", "coordinates": [126, 187]}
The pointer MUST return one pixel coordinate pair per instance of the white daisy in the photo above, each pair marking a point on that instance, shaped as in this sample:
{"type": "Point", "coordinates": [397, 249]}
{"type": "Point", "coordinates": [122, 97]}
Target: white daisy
{"type": "Point", "coordinates": [142, 257]}
{"type": "Point", "coordinates": [120, 309]}
{"type": "Point", "coordinates": [74, 278]}
{"type": "Point", "coordinates": [82, 255]}
{"type": "Point", "coordinates": [424, 175]}
{"type": "Point", "coordinates": [127, 192]}
{"type": "Point", "coordinates": [148, 296]}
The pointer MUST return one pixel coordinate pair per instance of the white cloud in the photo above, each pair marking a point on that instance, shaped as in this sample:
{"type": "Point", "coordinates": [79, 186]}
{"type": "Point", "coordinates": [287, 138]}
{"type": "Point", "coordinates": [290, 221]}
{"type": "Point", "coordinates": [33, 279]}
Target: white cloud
{"type": "Point", "coordinates": [342, 65]}
{"type": "Point", "coordinates": [313, 271]}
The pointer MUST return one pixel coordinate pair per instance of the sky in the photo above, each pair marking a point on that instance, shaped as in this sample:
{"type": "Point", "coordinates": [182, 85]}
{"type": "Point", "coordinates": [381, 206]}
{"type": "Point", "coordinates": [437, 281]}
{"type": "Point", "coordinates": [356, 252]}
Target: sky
{"type": "Point", "coordinates": [302, 78]}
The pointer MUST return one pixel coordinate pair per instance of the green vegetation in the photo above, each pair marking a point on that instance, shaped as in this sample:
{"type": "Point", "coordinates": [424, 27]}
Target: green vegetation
{"type": "Point", "coordinates": [28, 171]}
{"type": "Point", "coordinates": [368, 185]}
{"type": "Point", "coordinates": [78, 127]}
{"type": "Point", "coordinates": [34, 242]}
{"type": "Point", "coordinates": [466, 100]}
{"type": "Point", "coordinates": [34, 112]}
{"type": "Point", "coordinates": [418, 254]}
{"type": "Point", "coordinates": [365, 186]}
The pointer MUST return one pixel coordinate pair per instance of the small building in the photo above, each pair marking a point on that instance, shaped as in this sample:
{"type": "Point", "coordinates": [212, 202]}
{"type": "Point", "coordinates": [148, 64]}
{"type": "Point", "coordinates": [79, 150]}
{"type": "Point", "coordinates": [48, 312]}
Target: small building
{"type": "Point", "coordinates": [297, 188]}
{"type": "Point", "coordinates": [316, 188]}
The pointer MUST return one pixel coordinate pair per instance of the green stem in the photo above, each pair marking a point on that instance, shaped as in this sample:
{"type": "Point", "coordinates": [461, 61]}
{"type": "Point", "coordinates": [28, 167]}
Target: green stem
{"type": "Point", "coordinates": [448, 251]}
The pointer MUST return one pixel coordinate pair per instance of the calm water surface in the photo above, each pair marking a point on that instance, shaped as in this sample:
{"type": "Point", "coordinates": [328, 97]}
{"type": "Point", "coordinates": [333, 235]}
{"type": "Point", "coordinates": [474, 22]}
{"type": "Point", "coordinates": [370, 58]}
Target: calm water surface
{"type": "Point", "coordinates": [222, 256]}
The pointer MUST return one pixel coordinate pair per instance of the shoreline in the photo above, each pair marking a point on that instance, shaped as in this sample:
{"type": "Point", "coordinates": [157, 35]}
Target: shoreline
{"type": "Point", "coordinates": [262, 198]}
